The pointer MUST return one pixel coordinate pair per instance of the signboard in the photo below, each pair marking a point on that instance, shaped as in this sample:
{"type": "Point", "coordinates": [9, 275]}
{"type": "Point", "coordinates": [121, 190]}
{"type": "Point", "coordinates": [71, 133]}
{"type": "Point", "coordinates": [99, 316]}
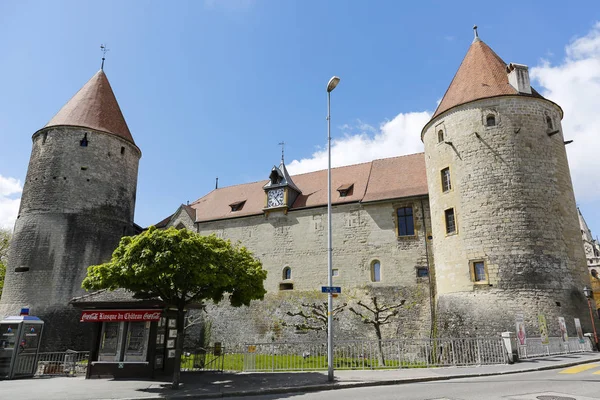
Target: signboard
{"type": "Point", "coordinates": [120, 315]}
{"type": "Point", "coordinates": [543, 329]}
{"type": "Point", "coordinates": [563, 329]}
{"type": "Point", "coordinates": [579, 331]}
{"type": "Point", "coordinates": [331, 289]}
{"type": "Point", "coordinates": [520, 324]}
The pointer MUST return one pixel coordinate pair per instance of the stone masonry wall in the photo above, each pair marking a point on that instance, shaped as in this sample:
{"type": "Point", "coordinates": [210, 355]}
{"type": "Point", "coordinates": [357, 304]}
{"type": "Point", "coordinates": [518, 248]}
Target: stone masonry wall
{"type": "Point", "coordinates": [77, 203]}
{"type": "Point", "coordinates": [362, 233]}
{"type": "Point", "coordinates": [515, 210]}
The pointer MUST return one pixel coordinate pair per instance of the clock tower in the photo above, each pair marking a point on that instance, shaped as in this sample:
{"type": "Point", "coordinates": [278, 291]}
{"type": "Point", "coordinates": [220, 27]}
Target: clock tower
{"type": "Point", "coordinates": [280, 190]}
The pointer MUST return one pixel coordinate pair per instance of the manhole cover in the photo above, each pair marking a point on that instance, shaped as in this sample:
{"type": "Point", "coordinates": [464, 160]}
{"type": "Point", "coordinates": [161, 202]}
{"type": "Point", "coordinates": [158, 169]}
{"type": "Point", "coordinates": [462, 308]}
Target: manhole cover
{"type": "Point", "coordinates": [555, 398]}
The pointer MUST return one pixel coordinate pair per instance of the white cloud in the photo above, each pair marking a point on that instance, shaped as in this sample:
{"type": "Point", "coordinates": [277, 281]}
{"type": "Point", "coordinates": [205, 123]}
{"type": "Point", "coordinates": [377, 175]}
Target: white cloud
{"type": "Point", "coordinates": [400, 136]}
{"type": "Point", "coordinates": [9, 202]}
{"type": "Point", "coordinates": [574, 84]}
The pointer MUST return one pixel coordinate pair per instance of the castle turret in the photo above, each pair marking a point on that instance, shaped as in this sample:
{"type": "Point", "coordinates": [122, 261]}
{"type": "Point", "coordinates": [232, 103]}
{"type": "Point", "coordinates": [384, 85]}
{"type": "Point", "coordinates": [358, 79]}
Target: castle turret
{"type": "Point", "coordinates": [78, 201]}
{"type": "Point", "coordinates": [505, 227]}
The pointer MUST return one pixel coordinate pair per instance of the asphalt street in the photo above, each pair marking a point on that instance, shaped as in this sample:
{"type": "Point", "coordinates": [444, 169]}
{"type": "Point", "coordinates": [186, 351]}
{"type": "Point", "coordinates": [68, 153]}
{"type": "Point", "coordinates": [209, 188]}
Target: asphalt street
{"type": "Point", "coordinates": [576, 383]}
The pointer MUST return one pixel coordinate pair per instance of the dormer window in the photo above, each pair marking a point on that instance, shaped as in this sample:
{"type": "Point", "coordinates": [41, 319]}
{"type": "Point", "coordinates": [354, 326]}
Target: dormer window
{"type": "Point", "coordinates": [490, 120]}
{"type": "Point", "coordinates": [237, 206]}
{"type": "Point", "coordinates": [346, 189]}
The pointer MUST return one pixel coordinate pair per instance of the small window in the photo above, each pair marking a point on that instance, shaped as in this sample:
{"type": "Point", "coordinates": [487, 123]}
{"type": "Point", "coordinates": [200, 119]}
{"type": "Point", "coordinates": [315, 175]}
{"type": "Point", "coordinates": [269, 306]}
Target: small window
{"type": "Point", "coordinates": [237, 206]}
{"type": "Point", "coordinates": [406, 223]}
{"type": "Point", "coordinates": [490, 120]}
{"type": "Point", "coordinates": [440, 136]}
{"type": "Point", "coordinates": [446, 184]}
{"type": "Point", "coordinates": [335, 272]}
{"type": "Point", "coordinates": [422, 272]}
{"type": "Point", "coordinates": [375, 271]}
{"type": "Point", "coordinates": [287, 273]}
{"type": "Point", "coordinates": [122, 150]}
{"type": "Point", "coordinates": [594, 273]}
{"type": "Point", "coordinates": [286, 286]}
{"type": "Point", "coordinates": [479, 271]}
{"type": "Point", "coordinates": [450, 221]}
{"type": "Point", "coordinates": [84, 142]}
{"type": "Point", "coordinates": [549, 123]}
{"type": "Point", "coordinates": [346, 189]}
{"type": "Point", "coordinates": [44, 137]}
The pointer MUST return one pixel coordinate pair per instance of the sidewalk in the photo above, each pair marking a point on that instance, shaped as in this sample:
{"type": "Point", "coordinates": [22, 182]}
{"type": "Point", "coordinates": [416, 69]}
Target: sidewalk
{"type": "Point", "coordinates": [205, 385]}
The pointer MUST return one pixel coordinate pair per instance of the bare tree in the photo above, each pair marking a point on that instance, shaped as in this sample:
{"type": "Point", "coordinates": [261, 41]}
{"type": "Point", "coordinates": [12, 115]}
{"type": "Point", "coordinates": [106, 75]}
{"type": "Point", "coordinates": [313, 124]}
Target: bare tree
{"type": "Point", "coordinates": [380, 314]}
{"type": "Point", "coordinates": [5, 236]}
{"type": "Point", "coordinates": [314, 316]}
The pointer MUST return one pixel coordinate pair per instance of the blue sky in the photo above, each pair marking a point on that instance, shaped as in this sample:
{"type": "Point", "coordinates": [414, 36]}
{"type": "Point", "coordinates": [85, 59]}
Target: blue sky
{"type": "Point", "coordinates": [209, 88]}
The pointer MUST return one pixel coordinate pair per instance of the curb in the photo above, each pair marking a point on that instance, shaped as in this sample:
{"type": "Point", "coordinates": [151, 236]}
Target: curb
{"type": "Point", "coordinates": [350, 385]}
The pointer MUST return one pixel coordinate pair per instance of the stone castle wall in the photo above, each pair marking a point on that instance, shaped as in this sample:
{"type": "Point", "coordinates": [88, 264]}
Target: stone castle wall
{"type": "Point", "coordinates": [515, 210]}
{"type": "Point", "coordinates": [362, 233]}
{"type": "Point", "coordinates": [77, 202]}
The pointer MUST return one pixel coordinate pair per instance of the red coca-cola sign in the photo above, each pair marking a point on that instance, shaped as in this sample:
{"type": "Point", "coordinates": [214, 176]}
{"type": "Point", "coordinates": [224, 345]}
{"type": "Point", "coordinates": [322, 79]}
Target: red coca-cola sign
{"type": "Point", "coordinates": [120, 315]}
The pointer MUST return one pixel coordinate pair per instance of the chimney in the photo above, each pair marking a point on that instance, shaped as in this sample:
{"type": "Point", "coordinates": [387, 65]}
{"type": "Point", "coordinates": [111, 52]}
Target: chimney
{"type": "Point", "coordinates": [518, 77]}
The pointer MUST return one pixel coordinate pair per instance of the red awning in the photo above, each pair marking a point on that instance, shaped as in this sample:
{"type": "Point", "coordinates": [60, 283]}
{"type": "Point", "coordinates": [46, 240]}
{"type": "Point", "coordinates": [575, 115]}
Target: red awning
{"type": "Point", "coordinates": [120, 315]}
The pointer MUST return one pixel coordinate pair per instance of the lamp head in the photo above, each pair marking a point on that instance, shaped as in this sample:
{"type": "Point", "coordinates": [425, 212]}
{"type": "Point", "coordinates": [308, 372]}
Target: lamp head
{"type": "Point", "coordinates": [587, 292]}
{"type": "Point", "coordinates": [332, 83]}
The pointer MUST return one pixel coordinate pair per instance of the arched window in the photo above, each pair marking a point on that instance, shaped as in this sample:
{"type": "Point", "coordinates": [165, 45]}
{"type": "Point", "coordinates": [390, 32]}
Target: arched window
{"type": "Point", "coordinates": [375, 271]}
{"type": "Point", "coordinates": [490, 120]}
{"type": "Point", "coordinates": [287, 273]}
{"type": "Point", "coordinates": [440, 136]}
{"type": "Point", "coordinates": [549, 122]}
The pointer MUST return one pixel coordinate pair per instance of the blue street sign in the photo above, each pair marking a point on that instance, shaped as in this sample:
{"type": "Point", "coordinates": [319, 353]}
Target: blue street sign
{"type": "Point", "coordinates": [331, 289]}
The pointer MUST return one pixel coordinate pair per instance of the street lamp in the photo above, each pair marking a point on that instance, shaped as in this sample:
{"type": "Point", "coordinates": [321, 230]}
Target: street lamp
{"type": "Point", "coordinates": [330, 86]}
{"type": "Point", "coordinates": [588, 294]}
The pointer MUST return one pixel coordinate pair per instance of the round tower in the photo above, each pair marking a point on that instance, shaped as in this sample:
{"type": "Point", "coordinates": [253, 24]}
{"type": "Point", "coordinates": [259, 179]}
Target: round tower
{"type": "Point", "coordinates": [78, 201]}
{"type": "Point", "coordinates": [505, 227]}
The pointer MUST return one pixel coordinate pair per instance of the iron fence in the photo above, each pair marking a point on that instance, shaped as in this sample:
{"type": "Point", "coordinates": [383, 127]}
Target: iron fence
{"type": "Point", "coordinates": [535, 348]}
{"type": "Point", "coordinates": [204, 359]}
{"type": "Point", "coordinates": [63, 363]}
{"type": "Point", "coordinates": [365, 354]}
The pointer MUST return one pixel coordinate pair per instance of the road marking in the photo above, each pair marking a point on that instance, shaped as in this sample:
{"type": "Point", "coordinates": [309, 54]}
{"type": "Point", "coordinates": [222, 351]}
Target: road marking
{"type": "Point", "coordinates": [579, 368]}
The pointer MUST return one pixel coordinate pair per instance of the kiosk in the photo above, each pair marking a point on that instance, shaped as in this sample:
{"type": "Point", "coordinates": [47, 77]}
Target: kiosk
{"type": "Point", "coordinates": [20, 339]}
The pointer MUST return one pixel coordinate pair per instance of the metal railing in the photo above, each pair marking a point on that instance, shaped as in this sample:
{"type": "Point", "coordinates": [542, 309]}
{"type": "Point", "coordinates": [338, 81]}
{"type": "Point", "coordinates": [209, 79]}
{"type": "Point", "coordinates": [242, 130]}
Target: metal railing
{"type": "Point", "coordinates": [535, 348]}
{"type": "Point", "coordinates": [363, 354]}
{"type": "Point", "coordinates": [203, 359]}
{"type": "Point", "coordinates": [63, 363]}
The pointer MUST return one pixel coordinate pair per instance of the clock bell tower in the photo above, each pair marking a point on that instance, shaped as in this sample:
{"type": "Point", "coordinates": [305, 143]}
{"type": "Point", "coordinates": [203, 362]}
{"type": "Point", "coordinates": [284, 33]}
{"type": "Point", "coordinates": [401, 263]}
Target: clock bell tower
{"type": "Point", "coordinates": [280, 190]}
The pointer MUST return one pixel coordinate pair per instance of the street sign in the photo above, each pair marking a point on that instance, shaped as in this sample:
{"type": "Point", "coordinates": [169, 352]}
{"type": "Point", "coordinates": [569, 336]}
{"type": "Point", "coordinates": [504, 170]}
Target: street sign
{"type": "Point", "coordinates": [331, 289]}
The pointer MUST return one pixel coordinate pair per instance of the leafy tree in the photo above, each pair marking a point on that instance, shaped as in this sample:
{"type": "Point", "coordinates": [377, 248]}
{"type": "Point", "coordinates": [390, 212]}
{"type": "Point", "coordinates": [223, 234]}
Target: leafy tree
{"type": "Point", "coordinates": [314, 316]}
{"type": "Point", "coordinates": [5, 237]}
{"type": "Point", "coordinates": [380, 314]}
{"type": "Point", "coordinates": [180, 268]}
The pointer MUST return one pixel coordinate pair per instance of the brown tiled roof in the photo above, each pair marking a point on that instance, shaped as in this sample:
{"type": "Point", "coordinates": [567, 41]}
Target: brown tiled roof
{"type": "Point", "coordinates": [481, 74]}
{"type": "Point", "coordinates": [384, 179]}
{"type": "Point", "coordinates": [94, 106]}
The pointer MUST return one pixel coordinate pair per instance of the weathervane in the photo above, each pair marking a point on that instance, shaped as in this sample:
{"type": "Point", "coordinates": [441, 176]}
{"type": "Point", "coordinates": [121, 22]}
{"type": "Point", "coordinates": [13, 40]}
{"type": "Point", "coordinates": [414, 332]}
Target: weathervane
{"type": "Point", "coordinates": [282, 144]}
{"type": "Point", "coordinates": [103, 49]}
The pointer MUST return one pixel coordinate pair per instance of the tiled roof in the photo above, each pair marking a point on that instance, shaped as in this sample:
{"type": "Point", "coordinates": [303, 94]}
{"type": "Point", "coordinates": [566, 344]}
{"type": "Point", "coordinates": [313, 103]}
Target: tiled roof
{"type": "Point", "coordinates": [481, 74]}
{"type": "Point", "coordinates": [383, 179]}
{"type": "Point", "coordinates": [111, 296]}
{"type": "Point", "coordinates": [94, 106]}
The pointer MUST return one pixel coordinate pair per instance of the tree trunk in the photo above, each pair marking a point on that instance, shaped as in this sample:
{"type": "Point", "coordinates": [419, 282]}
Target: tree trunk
{"type": "Point", "coordinates": [379, 346]}
{"type": "Point", "coordinates": [178, 346]}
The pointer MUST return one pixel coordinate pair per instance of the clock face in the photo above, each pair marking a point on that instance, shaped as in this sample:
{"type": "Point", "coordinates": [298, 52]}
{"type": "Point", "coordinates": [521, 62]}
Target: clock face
{"type": "Point", "coordinates": [275, 197]}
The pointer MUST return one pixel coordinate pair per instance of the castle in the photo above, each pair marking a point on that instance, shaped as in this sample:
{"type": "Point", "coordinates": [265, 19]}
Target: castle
{"type": "Point", "coordinates": [480, 227]}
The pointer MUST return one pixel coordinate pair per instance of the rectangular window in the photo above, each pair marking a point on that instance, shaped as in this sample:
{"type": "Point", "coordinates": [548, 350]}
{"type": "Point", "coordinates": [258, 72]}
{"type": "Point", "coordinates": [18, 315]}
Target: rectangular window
{"type": "Point", "coordinates": [406, 223]}
{"type": "Point", "coordinates": [110, 343]}
{"type": "Point", "coordinates": [446, 185]}
{"type": "Point", "coordinates": [422, 272]}
{"type": "Point", "coordinates": [450, 221]}
{"type": "Point", "coordinates": [479, 272]}
{"type": "Point", "coordinates": [132, 337]}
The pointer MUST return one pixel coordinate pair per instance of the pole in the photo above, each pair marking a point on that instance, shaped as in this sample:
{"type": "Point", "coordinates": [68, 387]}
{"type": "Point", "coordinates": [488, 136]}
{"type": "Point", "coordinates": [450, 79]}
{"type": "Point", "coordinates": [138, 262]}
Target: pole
{"type": "Point", "coordinates": [329, 249]}
{"type": "Point", "coordinates": [593, 325]}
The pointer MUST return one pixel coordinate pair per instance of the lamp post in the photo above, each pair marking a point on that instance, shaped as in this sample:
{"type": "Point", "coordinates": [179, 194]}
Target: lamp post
{"type": "Point", "coordinates": [588, 294]}
{"type": "Point", "coordinates": [330, 86]}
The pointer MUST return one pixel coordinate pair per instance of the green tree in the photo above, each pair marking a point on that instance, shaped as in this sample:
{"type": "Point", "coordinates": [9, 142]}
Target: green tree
{"type": "Point", "coordinates": [5, 237]}
{"type": "Point", "coordinates": [180, 268]}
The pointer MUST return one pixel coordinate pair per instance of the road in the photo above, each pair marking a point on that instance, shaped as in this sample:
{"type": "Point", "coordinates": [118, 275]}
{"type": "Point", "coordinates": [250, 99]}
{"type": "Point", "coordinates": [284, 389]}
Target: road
{"type": "Point", "coordinates": [576, 383]}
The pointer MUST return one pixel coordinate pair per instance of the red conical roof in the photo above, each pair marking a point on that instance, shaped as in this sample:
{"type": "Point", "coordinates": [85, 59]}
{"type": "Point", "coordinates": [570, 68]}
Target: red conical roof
{"type": "Point", "coordinates": [94, 106]}
{"type": "Point", "coordinates": [481, 74]}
